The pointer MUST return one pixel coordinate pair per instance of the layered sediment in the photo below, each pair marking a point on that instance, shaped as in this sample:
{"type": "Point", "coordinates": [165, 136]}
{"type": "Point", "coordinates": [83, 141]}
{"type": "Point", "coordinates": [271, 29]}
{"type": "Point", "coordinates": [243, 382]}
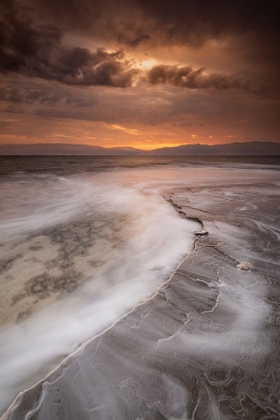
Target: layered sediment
{"type": "Point", "coordinates": [205, 346]}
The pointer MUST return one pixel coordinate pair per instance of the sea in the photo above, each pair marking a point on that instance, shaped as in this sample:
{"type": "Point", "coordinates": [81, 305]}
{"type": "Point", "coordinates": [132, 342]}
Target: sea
{"type": "Point", "coordinates": [85, 240]}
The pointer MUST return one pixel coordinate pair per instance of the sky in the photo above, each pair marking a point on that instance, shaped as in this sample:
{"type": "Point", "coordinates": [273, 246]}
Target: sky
{"type": "Point", "coordinates": [139, 73]}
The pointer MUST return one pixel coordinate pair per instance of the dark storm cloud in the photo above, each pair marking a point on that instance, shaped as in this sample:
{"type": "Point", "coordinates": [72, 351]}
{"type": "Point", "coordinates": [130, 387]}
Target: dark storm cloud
{"type": "Point", "coordinates": [37, 50]}
{"type": "Point", "coordinates": [134, 42]}
{"type": "Point", "coordinates": [250, 28]}
{"type": "Point", "coordinates": [195, 21]}
{"type": "Point", "coordinates": [34, 47]}
{"type": "Point", "coordinates": [186, 21]}
{"type": "Point", "coordinates": [187, 77]}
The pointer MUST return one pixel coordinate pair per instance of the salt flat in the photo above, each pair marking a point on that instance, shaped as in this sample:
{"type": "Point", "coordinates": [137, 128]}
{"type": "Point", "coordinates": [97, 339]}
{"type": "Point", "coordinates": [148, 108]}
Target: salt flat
{"type": "Point", "coordinates": [206, 345]}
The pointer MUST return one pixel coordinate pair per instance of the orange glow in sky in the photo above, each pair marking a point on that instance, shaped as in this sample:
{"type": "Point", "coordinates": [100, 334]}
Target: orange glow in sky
{"type": "Point", "coordinates": [135, 78]}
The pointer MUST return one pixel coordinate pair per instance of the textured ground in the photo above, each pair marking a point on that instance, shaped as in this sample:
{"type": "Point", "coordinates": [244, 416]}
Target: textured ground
{"type": "Point", "coordinates": [52, 264]}
{"type": "Point", "coordinates": [206, 346]}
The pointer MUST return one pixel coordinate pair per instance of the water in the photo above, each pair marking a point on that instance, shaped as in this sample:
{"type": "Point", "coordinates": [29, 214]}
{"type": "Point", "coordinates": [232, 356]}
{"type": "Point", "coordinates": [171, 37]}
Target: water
{"type": "Point", "coordinates": [83, 240]}
{"type": "Point", "coordinates": [77, 252]}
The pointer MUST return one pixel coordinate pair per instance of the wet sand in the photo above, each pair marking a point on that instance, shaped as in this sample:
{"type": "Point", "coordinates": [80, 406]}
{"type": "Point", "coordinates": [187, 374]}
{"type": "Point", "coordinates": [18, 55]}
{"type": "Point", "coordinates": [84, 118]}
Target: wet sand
{"type": "Point", "coordinates": [206, 345]}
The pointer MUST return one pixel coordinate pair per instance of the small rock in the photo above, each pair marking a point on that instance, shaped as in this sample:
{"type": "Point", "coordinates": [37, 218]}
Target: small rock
{"type": "Point", "coordinates": [201, 232]}
{"type": "Point", "coordinates": [245, 266]}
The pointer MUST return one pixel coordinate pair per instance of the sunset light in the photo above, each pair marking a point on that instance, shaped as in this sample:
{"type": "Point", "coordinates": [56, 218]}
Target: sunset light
{"type": "Point", "coordinates": [139, 210]}
{"type": "Point", "coordinates": [130, 75]}
{"type": "Point", "coordinates": [148, 64]}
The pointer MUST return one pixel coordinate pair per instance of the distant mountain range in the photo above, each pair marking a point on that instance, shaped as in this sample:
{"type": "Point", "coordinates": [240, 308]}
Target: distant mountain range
{"type": "Point", "coordinates": [254, 148]}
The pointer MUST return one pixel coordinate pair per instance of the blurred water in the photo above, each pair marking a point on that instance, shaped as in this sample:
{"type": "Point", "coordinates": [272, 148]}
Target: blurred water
{"type": "Point", "coordinates": [77, 252]}
{"type": "Point", "coordinates": [84, 240]}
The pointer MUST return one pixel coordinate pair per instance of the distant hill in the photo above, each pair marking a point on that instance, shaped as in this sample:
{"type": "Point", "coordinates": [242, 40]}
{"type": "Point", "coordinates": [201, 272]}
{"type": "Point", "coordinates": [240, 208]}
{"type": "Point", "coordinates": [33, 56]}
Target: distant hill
{"type": "Point", "coordinates": [57, 149]}
{"type": "Point", "coordinates": [253, 148]}
{"type": "Point", "coordinates": [243, 149]}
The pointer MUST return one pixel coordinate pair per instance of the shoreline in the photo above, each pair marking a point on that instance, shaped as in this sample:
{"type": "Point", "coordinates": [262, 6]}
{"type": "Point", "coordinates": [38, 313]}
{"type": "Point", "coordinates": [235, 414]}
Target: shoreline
{"type": "Point", "coordinates": [205, 321]}
{"type": "Point", "coordinates": [81, 346]}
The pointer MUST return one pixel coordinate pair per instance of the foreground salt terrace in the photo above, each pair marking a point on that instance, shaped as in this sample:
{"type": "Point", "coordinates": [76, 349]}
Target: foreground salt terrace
{"type": "Point", "coordinates": [206, 346]}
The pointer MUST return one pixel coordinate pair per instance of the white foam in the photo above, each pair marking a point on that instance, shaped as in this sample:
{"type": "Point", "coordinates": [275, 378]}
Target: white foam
{"type": "Point", "coordinates": [154, 239]}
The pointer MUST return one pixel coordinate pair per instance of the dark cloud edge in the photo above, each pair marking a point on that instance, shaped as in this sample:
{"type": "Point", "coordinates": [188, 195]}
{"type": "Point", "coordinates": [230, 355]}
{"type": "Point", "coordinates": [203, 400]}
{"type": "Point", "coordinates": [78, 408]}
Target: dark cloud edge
{"type": "Point", "coordinates": [36, 50]}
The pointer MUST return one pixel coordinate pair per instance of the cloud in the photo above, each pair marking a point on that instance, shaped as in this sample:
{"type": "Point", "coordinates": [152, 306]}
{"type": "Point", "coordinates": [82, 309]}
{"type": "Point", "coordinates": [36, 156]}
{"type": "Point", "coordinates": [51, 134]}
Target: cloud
{"type": "Point", "coordinates": [246, 31]}
{"type": "Point", "coordinates": [28, 96]}
{"type": "Point", "coordinates": [12, 109]}
{"type": "Point", "coordinates": [134, 42]}
{"type": "Point", "coordinates": [124, 129]}
{"type": "Point", "coordinates": [159, 112]}
{"type": "Point", "coordinates": [37, 50]}
{"type": "Point", "coordinates": [189, 22]}
{"type": "Point", "coordinates": [27, 91]}
{"type": "Point", "coordinates": [187, 77]}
